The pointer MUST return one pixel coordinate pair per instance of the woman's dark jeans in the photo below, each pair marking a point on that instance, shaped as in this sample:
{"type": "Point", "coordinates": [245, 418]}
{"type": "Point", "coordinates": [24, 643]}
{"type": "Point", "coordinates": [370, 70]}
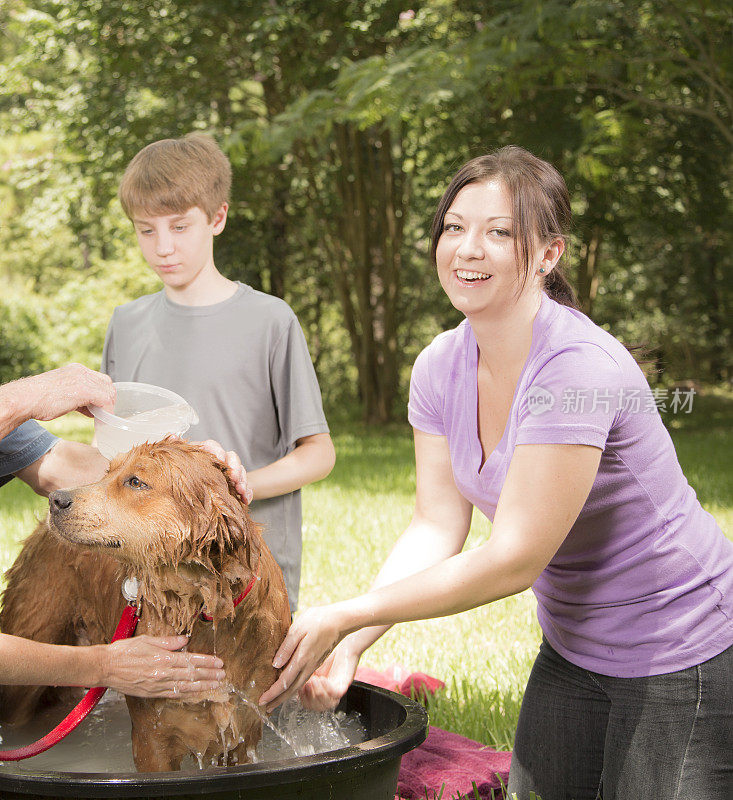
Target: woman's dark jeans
{"type": "Point", "coordinates": [582, 735]}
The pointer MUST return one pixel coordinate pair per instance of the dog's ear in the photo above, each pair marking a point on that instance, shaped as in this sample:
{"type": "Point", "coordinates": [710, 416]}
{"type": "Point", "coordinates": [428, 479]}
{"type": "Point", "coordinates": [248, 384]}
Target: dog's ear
{"type": "Point", "coordinates": [218, 520]}
{"type": "Point", "coordinates": [232, 528]}
{"type": "Point", "coordinates": [225, 563]}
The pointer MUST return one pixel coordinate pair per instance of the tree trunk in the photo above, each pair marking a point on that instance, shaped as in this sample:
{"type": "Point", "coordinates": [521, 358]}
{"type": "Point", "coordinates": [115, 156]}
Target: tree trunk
{"type": "Point", "coordinates": [719, 349]}
{"type": "Point", "coordinates": [590, 252]}
{"type": "Point", "coordinates": [277, 234]}
{"type": "Point", "coordinates": [277, 227]}
{"type": "Point", "coordinates": [368, 230]}
{"type": "Point", "coordinates": [363, 234]}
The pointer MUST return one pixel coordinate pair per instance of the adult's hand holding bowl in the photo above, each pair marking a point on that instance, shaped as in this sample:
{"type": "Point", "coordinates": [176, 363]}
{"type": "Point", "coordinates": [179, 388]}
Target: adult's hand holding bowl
{"type": "Point", "coordinates": [54, 393]}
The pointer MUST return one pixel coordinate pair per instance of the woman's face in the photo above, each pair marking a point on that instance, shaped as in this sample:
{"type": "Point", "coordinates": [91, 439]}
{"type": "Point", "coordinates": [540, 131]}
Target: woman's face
{"type": "Point", "coordinates": [477, 265]}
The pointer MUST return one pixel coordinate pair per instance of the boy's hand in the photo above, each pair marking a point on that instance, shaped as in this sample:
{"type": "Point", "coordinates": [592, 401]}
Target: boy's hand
{"type": "Point", "coordinates": [237, 473]}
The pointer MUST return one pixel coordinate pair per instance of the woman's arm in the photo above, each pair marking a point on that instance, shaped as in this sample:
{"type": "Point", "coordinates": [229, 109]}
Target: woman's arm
{"type": "Point", "coordinates": [545, 490]}
{"type": "Point", "coordinates": [311, 460]}
{"type": "Point", "coordinates": [146, 666]}
{"type": "Point", "coordinates": [437, 530]}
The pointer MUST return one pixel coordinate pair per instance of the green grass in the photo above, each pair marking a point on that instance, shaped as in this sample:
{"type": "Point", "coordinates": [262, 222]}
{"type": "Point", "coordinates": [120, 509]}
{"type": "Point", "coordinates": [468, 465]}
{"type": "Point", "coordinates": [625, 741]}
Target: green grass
{"type": "Point", "coordinates": [351, 520]}
{"type": "Point", "coordinates": [703, 441]}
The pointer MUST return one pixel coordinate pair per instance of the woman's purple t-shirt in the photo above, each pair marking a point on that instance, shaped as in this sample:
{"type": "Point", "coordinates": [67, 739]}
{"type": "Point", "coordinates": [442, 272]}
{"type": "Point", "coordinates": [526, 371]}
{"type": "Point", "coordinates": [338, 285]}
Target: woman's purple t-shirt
{"type": "Point", "coordinates": [643, 583]}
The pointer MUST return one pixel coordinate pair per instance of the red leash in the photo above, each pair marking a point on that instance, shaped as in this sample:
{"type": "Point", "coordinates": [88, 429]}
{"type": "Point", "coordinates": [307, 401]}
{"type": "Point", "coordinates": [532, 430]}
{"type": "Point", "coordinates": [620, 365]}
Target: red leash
{"type": "Point", "coordinates": [125, 628]}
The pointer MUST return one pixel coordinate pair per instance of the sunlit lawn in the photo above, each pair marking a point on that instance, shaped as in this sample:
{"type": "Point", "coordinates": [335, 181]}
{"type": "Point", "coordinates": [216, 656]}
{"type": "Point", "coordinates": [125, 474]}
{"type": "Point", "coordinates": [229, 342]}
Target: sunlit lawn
{"type": "Point", "coordinates": [351, 520]}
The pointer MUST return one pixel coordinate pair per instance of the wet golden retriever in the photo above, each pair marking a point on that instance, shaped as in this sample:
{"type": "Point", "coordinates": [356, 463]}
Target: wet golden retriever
{"type": "Point", "coordinates": [166, 514]}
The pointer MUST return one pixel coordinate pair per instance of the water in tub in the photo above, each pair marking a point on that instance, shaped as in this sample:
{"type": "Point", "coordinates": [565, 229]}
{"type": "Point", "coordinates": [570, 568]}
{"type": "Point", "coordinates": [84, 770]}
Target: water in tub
{"type": "Point", "coordinates": [101, 743]}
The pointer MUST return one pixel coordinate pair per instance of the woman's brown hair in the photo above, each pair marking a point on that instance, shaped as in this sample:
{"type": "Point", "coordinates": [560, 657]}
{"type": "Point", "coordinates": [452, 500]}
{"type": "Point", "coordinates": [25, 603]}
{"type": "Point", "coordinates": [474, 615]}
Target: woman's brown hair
{"type": "Point", "coordinates": [540, 203]}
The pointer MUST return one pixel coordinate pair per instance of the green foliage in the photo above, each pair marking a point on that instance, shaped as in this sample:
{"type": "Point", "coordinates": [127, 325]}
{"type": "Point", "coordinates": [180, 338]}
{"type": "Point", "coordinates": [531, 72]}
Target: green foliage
{"type": "Point", "coordinates": [631, 101]}
{"type": "Point", "coordinates": [22, 336]}
{"type": "Point", "coordinates": [79, 311]}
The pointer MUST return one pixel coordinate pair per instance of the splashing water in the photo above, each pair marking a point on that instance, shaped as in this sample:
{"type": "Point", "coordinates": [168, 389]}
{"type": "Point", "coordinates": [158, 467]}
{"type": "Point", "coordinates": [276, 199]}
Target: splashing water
{"type": "Point", "coordinates": [266, 721]}
{"type": "Point", "coordinates": [313, 732]}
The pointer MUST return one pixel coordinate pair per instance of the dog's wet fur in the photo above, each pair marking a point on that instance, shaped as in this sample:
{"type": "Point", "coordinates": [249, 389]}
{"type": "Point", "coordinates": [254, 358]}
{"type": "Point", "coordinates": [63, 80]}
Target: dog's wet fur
{"type": "Point", "coordinates": [167, 514]}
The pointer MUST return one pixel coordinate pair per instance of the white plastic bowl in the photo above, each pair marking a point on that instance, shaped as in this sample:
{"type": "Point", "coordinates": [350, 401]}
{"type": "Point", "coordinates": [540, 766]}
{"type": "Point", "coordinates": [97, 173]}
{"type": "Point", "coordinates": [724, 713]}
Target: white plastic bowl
{"type": "Point", "coordinates": [142, 413]}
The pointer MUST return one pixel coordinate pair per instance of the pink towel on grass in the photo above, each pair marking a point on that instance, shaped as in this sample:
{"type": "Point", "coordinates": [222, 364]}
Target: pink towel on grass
{"type": "Point", "coordinates": [401, 680]}
{"type": "Point", "coordinates": [452, 763]}
{"type": "Point", "coordinates": [445, 762]}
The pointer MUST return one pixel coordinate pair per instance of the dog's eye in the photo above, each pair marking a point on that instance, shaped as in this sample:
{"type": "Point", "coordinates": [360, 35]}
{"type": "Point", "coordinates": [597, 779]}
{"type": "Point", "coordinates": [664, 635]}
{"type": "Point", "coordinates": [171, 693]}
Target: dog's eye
{"type": "Point", "coordinates": [135, 483]}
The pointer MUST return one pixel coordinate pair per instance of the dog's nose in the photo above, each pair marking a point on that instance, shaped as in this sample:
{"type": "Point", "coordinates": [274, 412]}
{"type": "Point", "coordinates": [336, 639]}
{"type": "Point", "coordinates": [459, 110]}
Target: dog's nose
{"type": "Point", "coordinates": [60, 500]}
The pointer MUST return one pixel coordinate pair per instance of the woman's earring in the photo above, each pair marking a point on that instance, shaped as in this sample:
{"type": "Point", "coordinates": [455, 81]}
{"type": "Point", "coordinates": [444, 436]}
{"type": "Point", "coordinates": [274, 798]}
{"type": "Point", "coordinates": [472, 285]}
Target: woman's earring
{"type": "Point", "coordinates": [542, 270]}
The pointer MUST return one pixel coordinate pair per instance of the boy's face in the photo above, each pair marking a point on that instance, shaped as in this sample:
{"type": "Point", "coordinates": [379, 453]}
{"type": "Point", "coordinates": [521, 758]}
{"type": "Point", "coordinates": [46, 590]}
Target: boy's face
{"type": "Point", "coordinates": [179, 247]}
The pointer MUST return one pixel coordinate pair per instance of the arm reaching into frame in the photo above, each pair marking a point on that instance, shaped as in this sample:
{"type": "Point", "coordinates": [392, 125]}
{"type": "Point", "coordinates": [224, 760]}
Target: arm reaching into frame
{"type": "Point", "coordinates": [52, 394]}
{"type": "Point", "coordinates": [146, 666]}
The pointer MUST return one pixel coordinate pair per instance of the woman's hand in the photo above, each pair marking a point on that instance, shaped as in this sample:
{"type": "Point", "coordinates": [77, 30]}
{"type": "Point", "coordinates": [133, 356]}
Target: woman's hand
{"type": "Point", "coordinates": [311, 638]}
{"type": "Point", "coordinates": [330, 682]}
{"type": "Point", "coordinates": [153, 666]}
{"type": "Point", "coordinates": [237, 473]}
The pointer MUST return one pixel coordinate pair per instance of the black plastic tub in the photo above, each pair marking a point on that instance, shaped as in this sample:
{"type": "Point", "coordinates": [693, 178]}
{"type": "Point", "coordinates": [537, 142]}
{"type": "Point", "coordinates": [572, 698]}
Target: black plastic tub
{"type": "Point", "coordinates": [365, 771]}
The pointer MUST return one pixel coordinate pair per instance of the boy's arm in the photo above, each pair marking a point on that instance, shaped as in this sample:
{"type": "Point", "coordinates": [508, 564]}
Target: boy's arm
{"type": "Point", "coordinates": [311, 460]}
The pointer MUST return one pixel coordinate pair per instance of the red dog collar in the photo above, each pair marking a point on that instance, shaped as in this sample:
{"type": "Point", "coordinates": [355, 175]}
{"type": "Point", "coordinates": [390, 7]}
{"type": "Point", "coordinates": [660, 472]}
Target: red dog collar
{"type": "Point", "coordinates": [237, 600]}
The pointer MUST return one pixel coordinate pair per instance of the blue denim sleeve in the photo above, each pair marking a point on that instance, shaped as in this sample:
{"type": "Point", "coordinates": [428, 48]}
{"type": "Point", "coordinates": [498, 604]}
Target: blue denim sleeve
{"type": "Point", "coordinates": [26, 444]}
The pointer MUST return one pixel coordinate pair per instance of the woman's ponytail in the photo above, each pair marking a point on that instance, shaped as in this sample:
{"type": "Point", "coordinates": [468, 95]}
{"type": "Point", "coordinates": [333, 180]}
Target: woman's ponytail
{"type": "Point", "coordinates": [559, 289]}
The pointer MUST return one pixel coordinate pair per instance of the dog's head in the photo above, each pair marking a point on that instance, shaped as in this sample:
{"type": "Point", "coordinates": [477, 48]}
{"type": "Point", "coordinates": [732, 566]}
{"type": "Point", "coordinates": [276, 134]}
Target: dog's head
{"type": "Point", "coordinates": [159, 505]}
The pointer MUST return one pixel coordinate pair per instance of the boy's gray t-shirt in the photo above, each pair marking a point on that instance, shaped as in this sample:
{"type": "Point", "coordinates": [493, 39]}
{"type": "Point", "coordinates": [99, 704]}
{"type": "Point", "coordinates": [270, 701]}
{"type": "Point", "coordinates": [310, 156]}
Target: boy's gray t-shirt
{"type": "Point", "coordinates": [243, 364]}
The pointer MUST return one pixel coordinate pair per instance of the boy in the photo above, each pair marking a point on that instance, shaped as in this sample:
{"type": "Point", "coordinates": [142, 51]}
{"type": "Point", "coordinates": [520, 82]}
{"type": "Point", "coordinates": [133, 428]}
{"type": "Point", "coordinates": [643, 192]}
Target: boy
{"type": "Point", "coordinates": [237, 355]}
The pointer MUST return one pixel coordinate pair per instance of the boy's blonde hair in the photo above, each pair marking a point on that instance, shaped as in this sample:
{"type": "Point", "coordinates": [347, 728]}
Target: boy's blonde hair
{"type": "Point", "coordinates": [173, 175]}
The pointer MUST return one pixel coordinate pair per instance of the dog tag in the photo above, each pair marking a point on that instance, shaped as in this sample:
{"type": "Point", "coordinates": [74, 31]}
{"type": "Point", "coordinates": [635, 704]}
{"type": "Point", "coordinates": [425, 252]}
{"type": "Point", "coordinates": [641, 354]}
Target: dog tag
{"type": "Point", "coordinates": [130, 589]}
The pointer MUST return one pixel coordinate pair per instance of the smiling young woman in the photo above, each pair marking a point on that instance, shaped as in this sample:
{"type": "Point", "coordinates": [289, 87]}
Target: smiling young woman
{"type": "Point", "coordinates": [544, 422]}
